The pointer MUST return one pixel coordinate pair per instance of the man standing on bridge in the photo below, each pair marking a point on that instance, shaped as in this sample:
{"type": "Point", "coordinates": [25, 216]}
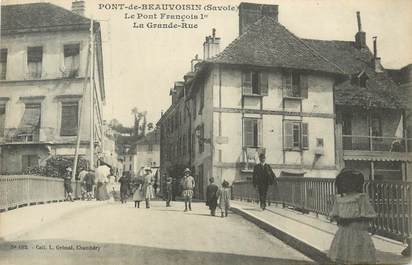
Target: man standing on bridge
{"type": "Point", "coordinates": [263, 176]}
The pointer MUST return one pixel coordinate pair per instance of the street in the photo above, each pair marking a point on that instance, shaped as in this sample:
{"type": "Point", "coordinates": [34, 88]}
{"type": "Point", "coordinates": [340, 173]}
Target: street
{"type": "Point", "coordinates": [112, 233]}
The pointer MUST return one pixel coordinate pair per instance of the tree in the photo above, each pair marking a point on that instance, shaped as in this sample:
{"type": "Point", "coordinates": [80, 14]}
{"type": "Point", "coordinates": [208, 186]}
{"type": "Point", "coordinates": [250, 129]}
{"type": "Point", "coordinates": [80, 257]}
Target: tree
{"type": "Point", "coordinates": [150, 126]}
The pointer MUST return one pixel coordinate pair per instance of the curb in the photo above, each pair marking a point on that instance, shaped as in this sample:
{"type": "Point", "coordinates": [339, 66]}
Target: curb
{"type": "Point", "coordinates": [303, 247]}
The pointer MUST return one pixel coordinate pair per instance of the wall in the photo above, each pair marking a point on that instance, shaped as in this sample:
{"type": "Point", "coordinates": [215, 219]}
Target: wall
{"type": "Point", "coordinates": [52, 86]}
{"type": "Point", "coordinates": [317, 111]}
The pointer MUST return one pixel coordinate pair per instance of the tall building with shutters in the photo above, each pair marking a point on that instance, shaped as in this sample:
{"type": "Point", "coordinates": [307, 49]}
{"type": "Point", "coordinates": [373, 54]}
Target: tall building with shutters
{"type": "Point", "coordinates": [272, 92]}
{"type": "Point", "coordinates": [45, 72]}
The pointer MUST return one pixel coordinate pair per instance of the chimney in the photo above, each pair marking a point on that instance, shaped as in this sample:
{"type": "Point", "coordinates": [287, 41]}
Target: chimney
{"type": "Point", "coordinates": [376, 61]}
{"type": "Point", "coordinates": [211, 46]}
{"type": "Point", "coordinates": [249, 13]}
{"type": "Point", "coordinates": [194, 62]}
{"type": "Point", "coordinates": [78, 7]}
{"type": "Point", "coordinates": [360, 37]}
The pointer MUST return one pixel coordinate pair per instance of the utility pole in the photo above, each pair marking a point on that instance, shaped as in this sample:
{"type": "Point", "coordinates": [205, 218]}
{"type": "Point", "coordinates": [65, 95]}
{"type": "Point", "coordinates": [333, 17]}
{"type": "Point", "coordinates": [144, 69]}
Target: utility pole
{"type": "Point", "coordinates": [92, 94]}
{"type": "Point", "coordinates": [81, 102]}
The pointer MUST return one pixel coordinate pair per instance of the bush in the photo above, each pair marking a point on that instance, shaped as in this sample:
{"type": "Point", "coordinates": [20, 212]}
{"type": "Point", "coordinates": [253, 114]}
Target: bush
{"type": "Point", "coordinates": [56, 167]}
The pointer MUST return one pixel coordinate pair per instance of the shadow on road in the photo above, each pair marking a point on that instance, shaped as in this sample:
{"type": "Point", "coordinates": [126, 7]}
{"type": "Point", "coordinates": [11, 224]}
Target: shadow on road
{"type": "Point", "coordinates": [83, 252]}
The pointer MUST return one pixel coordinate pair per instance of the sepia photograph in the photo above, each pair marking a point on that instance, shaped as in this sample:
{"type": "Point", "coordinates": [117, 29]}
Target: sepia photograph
{"type": "Point", "coordinates": [221, 132]}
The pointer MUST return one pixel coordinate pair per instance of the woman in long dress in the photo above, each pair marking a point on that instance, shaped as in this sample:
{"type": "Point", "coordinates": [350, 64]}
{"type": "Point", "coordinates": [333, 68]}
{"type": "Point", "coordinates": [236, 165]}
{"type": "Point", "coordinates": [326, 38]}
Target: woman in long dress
{"type": "Point", "coordinates": [138, 194]}
{"type": "Point", "coordinates": [148, 190]}
{"type": "Point", "coordinates": [101, 178]}
{"type": "Point", "coordinates": [352, 210]}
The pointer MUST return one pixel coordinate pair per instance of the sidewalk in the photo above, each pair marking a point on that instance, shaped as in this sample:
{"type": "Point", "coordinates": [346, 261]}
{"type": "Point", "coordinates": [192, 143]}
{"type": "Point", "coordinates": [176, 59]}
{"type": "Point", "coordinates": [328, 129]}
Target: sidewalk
{"type": "Point", "coordinates": [309, 234]}
{"type": "Point", "coordinates": [19, 221]}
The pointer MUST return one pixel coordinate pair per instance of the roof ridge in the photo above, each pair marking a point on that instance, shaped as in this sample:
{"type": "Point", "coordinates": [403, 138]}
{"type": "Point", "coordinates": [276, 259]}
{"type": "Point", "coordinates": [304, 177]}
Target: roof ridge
{"type": "Point", "coordinates": [311, 48]}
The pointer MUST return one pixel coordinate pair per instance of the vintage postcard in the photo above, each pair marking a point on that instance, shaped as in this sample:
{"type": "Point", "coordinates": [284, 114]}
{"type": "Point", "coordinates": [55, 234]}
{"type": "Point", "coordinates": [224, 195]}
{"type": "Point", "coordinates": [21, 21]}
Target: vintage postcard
{"type": "Point", "coordinates": [205, 132]}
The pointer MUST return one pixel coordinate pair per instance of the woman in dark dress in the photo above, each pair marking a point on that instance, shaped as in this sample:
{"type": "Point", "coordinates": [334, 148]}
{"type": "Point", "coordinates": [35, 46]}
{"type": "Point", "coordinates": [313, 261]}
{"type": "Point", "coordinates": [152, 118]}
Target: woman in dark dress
{"type": "Point", "coordinates": [124, 187]}
{"type": "Point", "coordinates": [211, 196]}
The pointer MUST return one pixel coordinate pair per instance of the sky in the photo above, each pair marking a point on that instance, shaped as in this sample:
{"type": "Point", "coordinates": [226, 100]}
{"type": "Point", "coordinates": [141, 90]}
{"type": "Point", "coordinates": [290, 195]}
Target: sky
{"type": "Point", "coordinates": [141, 65]}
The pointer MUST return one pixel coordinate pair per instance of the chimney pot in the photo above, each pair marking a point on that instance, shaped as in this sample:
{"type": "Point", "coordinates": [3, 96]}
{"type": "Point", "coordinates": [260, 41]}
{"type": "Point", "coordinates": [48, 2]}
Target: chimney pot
{"type": "Point", "coordinates": [359, 21]}
{"type": "Point", "coordinates": [375, 50]}
{"type": "Point", "coordinates": [360, 36]}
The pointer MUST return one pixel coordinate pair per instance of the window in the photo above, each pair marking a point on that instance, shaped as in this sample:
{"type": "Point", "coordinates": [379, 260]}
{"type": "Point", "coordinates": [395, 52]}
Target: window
{"type": "Point", "coordinates": [34, 61]}
{"type": "Point", "coordinates": [28, 161]}
{"type": "Point", "coordinates": [295, 85]}
{"type": "Point", "coordinates": [130, 167]}
{"type": "Point", "coordinates": [2, 119]}
{"type": "Point", "coordinates": [69, 119]}
{"type": "Point", "coordinates": [71, 60]}
{"type": "Point", "coordinates": [202, 99]}
{"type": "Point", "coordinates": [296, 135]}
{"type": "Point", "coordinates": [201, 139]}
{"type": "Point", "coordinates": [252, 132]}
{"type": "Point", "coordinates": [30, 123]}
{"type": "Point", "coordinates": [194, 107]}
{"type": "Point", "coordinates": [255, 83]}
{"type": "Point", "coordinates": [3, 64]}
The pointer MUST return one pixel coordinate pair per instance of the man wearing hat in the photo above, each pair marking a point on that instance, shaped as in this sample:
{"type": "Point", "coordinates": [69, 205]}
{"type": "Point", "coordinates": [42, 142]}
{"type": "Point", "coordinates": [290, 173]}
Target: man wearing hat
{"type": "Point", "coordinates": [188, 186]}
{"type": "Point", "coordinates": [263, 176]}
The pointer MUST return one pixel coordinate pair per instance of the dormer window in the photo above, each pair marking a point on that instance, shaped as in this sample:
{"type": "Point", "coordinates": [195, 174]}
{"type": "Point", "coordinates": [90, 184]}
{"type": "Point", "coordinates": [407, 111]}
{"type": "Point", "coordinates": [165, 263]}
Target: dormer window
{"type": "Point", "coordinates": [360, 79]}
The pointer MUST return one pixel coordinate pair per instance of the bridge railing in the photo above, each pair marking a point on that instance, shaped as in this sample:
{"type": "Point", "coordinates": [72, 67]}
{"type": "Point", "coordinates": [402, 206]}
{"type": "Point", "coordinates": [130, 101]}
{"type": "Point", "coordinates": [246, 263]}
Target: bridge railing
{"type": "Point", "coordinates": [18, 190]}
{"type": "Point", "coordinates": [391, 200]}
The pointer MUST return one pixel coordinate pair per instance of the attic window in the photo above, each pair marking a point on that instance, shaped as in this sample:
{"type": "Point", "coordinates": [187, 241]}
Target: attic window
{"type": "Point", "coordinates": [360, 79]}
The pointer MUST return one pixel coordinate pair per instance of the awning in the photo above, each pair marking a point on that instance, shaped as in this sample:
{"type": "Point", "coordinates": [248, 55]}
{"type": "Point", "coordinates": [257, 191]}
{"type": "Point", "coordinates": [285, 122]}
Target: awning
{"type": "Point", "coordinates": [376, 156]}
{"type": "Point", "coordinates": [30, 120]}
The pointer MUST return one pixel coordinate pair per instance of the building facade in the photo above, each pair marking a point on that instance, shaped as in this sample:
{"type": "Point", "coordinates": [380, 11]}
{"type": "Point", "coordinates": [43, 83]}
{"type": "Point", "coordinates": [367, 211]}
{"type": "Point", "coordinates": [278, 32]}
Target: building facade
{"type": "Point", "coordinates": [272, 92]}
{"type": "Point", "coordinates": [51, 82]}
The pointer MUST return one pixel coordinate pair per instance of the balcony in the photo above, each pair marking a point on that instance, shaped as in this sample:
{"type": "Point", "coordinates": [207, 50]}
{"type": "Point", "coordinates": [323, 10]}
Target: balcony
{"type": "Point", "coordinates": [371, 147]}
{"type": "Point", "coordinates": [41, 135]}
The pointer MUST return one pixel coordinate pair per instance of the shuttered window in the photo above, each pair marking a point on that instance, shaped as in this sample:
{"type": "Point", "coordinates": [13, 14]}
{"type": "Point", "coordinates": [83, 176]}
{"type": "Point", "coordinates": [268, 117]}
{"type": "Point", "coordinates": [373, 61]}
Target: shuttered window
{"type": "Point", "coordinates": [2, 119]}
{"type": "Point", "coordinates": [201, 138]}
{"type": "Point", "coordinates": [263, 83]}
{"type": "Point", "coordinates": [252, 132]}
{"type": "Point", "coordinates": [71, 59]}
{"type": "Point", "coordinates": [255, 83]}
{"type": "Point", "coordinates": [296, 135]}
{"type": "Point", "coordinates": [69, 119]}
{"type": "Point", "coordinates": [29, 125]}
{"type": "Point", "coordinates": [247, 83]}
{"type": "Point", "coordinates": [34, 61]}
{"type": "Point", "coordinates": [3, 64]}
{"type": "Point", "coordinates": [295, 84]}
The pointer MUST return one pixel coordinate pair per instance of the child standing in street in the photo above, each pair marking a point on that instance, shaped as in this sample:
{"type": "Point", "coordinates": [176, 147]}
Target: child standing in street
{"type": "Point", "coordinates": [352, 210]}
{"type": "Point", "coordinates": [188, 187]}
{"type": "Point", "coordinates": [169, 191]}
{"type": "Point", "coordinates": [224, 198]}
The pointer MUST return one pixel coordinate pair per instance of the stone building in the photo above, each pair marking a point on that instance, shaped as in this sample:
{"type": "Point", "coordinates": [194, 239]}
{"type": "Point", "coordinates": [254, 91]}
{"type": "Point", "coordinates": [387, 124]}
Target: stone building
{"type": "Point", "coordinates": [48, 78]}
{"type": "Point", "coordinates": [293, 99]}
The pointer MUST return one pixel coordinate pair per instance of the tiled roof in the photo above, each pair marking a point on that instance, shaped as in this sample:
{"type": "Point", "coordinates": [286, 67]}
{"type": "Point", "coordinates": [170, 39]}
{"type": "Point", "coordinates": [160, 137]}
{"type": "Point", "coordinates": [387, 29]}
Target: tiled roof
{"type": "Point", "coordinates": [380, 90]}
{"type": "Point", "coordinates": [38, 15]}
{"type": "Point", "coordinates": [268, 43]}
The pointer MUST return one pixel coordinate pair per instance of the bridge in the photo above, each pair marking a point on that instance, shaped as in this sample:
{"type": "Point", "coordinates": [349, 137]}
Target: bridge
{"type": "Point", "coordinates": [38, 227]}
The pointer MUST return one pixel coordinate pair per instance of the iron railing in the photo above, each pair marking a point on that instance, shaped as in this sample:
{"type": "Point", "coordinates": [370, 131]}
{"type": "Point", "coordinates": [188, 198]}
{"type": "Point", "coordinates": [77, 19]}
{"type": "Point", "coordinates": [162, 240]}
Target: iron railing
{"type": "Point", "coordinates": [375, 143]}
{"type": "Point", "coordinates": [19, 190]}
{"type": "Point", "coordinates": [391, 200]}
